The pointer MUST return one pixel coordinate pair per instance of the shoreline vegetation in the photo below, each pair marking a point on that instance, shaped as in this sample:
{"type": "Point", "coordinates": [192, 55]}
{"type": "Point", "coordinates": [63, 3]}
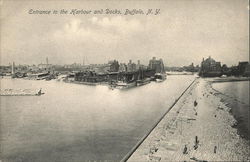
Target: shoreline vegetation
{"type": "Point", "coordinates": [199, 127]}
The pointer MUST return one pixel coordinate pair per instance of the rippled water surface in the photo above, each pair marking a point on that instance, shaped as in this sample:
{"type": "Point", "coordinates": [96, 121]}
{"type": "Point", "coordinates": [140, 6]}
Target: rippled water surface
{"type": "Point", "coordinates": [238, 90]}
{"type": "Point", "coordinates": [72, 122]}
{"type": "Point", "coordinates": [237, 96]}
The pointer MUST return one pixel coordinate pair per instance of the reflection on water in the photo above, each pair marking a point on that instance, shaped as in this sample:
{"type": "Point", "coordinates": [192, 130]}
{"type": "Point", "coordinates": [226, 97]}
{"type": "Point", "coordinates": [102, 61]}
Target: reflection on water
{"type": "Point", "coordinates": [72, 122]}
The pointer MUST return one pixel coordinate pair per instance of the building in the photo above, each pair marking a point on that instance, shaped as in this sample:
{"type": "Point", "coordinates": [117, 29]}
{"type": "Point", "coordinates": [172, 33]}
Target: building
{"type": "Point", "coordinates": [114, 66]}
{"type": "Point", "coordinates": [138, 65]}
{"type": "Point", "coordinates": [242, 67]}
{"type": "Point", "coordinates": [131, 67]}
{"type": "Point", "coordinates": [210, 68]}
{"type": "Point", "coordinates": [225, 70]}
{"type": "Point", "coordinates": [46, 66]}
{"type": "Point", "coordinates": [156, 65]}
{"type": "Point", "coordinates": [122, 67]}
{"type": "Point", "coordinates": [234, 70]}
{"type": "Point", "coordinates": [90, 76]}
{"type": "Point", "coordinates": [33, 68]}
{"type": "Point", "coordinates": [5, 70]}
{"type": "Point", "coordinates": [191, 68]}
{"type": "Point", "coordinates": [247, 71]}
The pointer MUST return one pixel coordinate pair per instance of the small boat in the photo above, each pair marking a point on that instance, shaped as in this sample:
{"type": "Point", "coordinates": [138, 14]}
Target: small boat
{"type": "Point", "coordinates": [142, 82]}
{"type": "Point", "coordinates": [39, 93]}
{"type": "Point", "coordinates": [160, 77]}
{"type": "Point", "coordinates": [124, 85]}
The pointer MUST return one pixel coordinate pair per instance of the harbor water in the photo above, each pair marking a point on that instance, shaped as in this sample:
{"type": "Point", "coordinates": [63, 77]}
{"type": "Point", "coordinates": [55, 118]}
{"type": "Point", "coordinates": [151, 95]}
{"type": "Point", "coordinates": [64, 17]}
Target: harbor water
{"type": "Point", "coordinates": [236, 96]}
{"type": "Point", "coordinates": [73, 122]}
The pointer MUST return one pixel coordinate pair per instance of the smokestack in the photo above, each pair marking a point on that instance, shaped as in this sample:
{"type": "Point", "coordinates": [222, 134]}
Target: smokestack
{"type": "Point", "coordinates": [47, 60]}
{"type": "Point", "coordinates": [13, 68]}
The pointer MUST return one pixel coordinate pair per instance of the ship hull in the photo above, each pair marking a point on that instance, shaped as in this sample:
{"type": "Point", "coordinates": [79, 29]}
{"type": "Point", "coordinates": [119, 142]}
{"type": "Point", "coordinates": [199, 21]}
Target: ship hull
{"type": "Point", "coordinates": [125, 85]}
{"type": "Point", "coordinates": [142, 82]}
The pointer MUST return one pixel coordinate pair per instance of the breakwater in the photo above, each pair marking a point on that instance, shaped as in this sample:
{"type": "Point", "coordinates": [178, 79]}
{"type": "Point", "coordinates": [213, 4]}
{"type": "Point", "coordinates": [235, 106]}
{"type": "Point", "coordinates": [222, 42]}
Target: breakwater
{"type": "Point", "coordinates": [127, 156]}
{"type": "Point", "coordinates": [199, 127]}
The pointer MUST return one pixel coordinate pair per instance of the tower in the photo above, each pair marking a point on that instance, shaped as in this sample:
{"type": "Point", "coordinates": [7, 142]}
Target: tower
{"type": "Point", "coordinates": [47, 60]}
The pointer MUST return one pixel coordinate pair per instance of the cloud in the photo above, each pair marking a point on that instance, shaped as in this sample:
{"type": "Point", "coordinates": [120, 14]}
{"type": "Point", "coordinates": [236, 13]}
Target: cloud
{"type": "Point", "coordinates": [118, 23]}
{"type": "Point", "coordinates": [181, 34]}
{"type": "Point", "coordinates": [76, 31]}
{"type": "Point", "coordinates": [98, 30]}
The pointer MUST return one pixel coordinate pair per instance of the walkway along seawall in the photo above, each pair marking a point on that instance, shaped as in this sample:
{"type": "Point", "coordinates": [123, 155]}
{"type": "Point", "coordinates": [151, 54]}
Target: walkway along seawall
{"type": "Point", "coordinates": [199, 127]}
{"type": "Point", "coordinates": [129, 154]}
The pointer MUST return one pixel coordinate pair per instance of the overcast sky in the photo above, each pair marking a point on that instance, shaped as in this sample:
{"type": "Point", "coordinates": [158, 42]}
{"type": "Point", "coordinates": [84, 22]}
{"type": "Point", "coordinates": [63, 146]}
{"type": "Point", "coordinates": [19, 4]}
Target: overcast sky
{"type": "Point", "coordinates": [184, 32]}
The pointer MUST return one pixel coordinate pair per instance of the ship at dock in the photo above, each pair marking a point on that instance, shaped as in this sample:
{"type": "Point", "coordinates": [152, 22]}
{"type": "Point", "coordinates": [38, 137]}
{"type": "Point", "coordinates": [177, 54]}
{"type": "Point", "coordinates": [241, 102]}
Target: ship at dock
{"type": "Point", "coordinates": [125, 85]}
{"type": "Point", "coordinates": [160, 77]}
{"type": "Point", "coordinates": [142, 80]}
{"type": "Point", "coordinates": [121, 76]}
{"type": "Point", "coordinates": [160, 74]}
{"type": "Point", "coordinates": [125, 81]}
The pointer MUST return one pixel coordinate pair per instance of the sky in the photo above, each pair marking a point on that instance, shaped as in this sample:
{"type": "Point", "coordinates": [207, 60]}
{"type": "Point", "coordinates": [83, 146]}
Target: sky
{"type": "Point", "coordinates": [182, 33]}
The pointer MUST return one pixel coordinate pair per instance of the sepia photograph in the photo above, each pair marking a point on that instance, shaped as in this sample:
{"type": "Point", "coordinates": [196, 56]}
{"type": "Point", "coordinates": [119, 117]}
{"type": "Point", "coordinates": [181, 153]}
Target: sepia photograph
{"type": "Point", "coordinates": [124, 81]}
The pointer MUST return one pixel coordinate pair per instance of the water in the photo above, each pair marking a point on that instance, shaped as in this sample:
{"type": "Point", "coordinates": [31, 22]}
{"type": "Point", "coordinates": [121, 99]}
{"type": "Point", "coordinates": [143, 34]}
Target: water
{"type": "Point", "coordinates": [74, 122]}
{"type": "Point", "coordinates": [238, 90]}
{"type": "Point", "coordinates": [236, 95]}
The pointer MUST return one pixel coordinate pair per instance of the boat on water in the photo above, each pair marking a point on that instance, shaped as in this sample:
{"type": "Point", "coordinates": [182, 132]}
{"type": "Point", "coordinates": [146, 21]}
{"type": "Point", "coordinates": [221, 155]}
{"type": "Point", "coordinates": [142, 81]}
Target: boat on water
{"type": "Point", "coordinates": [125, 85]}
{"type": "Point", "coordinates": [143, 82]}
{"type": "Point", "coordinates": [38, 76]}
{"type": "Point", "coordinates": [160, 77]}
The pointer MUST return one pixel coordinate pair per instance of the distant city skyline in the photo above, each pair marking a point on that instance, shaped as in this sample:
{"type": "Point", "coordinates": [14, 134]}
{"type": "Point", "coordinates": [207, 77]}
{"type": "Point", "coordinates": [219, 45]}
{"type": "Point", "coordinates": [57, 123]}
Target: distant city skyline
{"type": "Point", "coordinates": [183, 33]}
